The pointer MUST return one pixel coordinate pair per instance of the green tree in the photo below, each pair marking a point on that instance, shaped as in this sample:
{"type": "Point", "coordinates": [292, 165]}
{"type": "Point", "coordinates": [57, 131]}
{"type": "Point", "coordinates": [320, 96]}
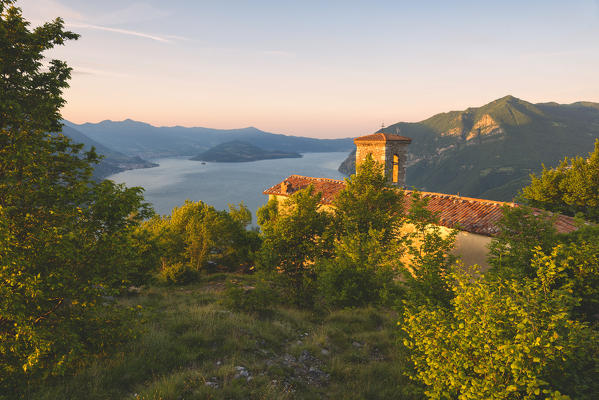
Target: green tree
{"type": "Point", "coordinates": [368, 216]}
{"type": "Point", "coordinates": [578, 264]}
{"type": "Point", "coordinates": [295, 236]}
{"type": "Point", "coordinates": [368, 203]}
{"type": "Point", "coordinates": [570, 188]}
{"type": "Point", "coordinates": [521, 230]}
{"type": "Point", "coordinates": [64, 238]}
{"type": "Point", "coordinates": [360, 272]}
{"type": "Point", "coordinates": [505, 339]}
{"type": "Point", "coordinates": [196, 236]}
{"type": "Point", "coordinates": [524, 232]}
{"type": "Point", "coordinates": [430, 258]}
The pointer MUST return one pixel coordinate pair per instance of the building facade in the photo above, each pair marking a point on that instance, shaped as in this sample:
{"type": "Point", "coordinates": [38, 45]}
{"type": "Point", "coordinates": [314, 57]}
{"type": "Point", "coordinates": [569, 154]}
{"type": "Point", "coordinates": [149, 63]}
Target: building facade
{"type": "Point", "coordinates": [474, 219]}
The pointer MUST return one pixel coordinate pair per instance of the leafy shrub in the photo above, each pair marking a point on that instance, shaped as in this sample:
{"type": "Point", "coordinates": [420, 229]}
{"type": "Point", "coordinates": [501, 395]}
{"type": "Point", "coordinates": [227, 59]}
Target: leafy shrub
{"type": "Point", "coordinates": [178, 273]}
{"type": "Point", "coordinates": [294, 238]}
{"type": "Point", "coordinates": [359, 274]}
{"type": "Point", "coordinates": [520, 231]}
{"type": "Point", "coordinates": [344, 284]}
{"type": "Point", "coordinates": [506, 339]}
{"type": "Point", "coordinates": [198, 235]}
{"type": "Point", "coordinates": [570, 188]}
{"type": "Point", "coordinates": [429, 250]}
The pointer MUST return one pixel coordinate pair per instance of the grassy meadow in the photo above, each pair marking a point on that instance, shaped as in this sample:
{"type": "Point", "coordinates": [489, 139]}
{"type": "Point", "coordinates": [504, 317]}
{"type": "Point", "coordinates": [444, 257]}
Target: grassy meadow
{"type": "Point", "coordinates": [190, 346]}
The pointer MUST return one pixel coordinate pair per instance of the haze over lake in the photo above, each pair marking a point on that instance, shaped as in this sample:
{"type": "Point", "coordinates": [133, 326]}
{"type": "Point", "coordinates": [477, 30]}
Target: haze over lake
{"type": "Point", "coordinates": [219, 184]}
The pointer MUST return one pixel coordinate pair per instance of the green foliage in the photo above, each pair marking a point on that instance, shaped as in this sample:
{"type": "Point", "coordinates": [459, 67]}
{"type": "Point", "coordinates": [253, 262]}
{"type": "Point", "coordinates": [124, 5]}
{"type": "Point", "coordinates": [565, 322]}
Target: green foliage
{"type": "Point", "coordinates": [367, 217]}
{"type": "Point", "coordinates": [368, 203]}
{"type": "Point", "coordinates": [294, 236]}
{"type": "Point", "coordinates": [360, 273]}
{"type": "Point", "coordinates": [505, 339]}
{"type": "Point", "coordinates": [177, 273]}
{"type": "Point", "coordinates": [196, 236]}
{"type": "Point", "coordinates": [494, 161]}
{"type": "Point", "coordinates": [578, 267]}
{"type": "Point", "coordinates": [65, 239]}
{"type": "Point", "coordinates": [520, 232]}
{"type": "Point", "coordinates": [570, 188]}
{"type": "Point", "coordinates": [430, 256]}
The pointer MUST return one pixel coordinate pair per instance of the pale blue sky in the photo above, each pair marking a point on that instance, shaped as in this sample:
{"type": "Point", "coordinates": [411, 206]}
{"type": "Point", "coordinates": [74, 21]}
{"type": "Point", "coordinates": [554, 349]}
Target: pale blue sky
{"type": "Point", "coordinates": [318, 68]}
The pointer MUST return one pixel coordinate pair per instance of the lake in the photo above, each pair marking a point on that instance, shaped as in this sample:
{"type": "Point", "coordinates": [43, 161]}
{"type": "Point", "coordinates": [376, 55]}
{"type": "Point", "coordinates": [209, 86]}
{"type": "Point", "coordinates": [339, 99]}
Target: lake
{"type": "Point", "coordinates": [219, 184]}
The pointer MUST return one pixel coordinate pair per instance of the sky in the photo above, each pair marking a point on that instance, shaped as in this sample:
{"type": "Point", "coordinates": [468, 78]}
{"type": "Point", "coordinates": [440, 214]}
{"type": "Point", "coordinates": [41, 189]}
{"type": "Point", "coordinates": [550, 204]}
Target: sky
{"type": "Point", "coordinates": [320, 68]}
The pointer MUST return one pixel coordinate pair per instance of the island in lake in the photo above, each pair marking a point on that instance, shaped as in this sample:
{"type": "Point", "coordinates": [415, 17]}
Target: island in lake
{"type": "Point", "coordinates": [239, 151]}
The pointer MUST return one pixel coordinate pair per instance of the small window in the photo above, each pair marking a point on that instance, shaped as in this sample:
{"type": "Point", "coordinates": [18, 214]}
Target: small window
{"type": "Point", "coordinates": [395, 168]}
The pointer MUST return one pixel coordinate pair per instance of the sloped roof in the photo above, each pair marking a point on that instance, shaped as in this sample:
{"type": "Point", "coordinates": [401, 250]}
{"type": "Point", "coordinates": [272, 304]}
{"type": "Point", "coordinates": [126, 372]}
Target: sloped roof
{"type": "Point", "coordinates": [383, 137]}
{"type": "Point", "coordinates": [468, 214]}
{"type": "Point", "coordinates": [327, 187]}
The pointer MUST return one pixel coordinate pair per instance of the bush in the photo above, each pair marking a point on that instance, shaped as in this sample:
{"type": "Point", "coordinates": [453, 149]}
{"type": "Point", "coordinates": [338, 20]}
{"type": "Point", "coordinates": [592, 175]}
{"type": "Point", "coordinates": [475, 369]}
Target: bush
{"type": "Point", "coordinates": [361, 273]}
{"type": "Point", "coordinates": [201, 237]}
{"type": "Point", "coordinates": [177, 273]}
{"type": "Point", "coordinates": [506, 339]}
{"type": "Point", "coordinates": [294, 237]}
{"type": "Point", "coordinates": [347, 285]}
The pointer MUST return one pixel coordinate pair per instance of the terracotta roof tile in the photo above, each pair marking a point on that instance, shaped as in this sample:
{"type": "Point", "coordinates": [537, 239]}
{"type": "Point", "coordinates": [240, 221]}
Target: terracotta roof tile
{"type": "Point", "coordinates": [383, 137]}
{"type": "Point", "coordinates": [328, 187]}
{"type": "Point", "coordinates": [468, 214]}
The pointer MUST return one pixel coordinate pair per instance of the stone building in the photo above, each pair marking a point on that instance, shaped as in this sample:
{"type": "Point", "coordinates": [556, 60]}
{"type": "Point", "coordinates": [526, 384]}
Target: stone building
{"type": "Point", "coordinates": [475, 219]}
{"type": "Point", "coordinates": [389, 150]}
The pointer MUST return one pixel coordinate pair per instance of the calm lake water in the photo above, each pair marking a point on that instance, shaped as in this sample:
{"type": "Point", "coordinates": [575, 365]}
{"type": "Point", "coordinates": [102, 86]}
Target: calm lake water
{"type": "Point", "coordinates": [219, 184]}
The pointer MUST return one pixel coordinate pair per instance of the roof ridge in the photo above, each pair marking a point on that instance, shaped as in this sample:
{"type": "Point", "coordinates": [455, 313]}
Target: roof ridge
{"type": "Point", "coordinates": [458, 197]}
{"type": "Point", "coordinates": [473, 215]}
{"type": "Point", "coordinates": [316, 179]}
{"type": "Point", "coordinates": [382, 137]}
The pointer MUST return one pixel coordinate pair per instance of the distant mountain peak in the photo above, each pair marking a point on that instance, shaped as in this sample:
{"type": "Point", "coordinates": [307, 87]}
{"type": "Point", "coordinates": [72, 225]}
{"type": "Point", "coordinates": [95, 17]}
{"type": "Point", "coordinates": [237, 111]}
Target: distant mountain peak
{"type": "Point", "coordinates": [489, 151]}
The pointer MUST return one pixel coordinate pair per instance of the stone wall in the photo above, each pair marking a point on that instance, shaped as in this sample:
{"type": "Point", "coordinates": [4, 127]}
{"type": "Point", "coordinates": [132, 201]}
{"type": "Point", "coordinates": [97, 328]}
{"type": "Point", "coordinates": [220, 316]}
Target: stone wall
{"type": "Point", "coordinates": [383, 153]}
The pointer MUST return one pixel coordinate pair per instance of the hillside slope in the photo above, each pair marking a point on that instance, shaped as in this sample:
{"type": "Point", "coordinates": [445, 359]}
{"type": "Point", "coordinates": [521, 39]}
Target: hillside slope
{"type": "Point", "coordinates": [144, 140]}
{"type": "Point", "coordinates": [238, 151]}
{"type": "Point", "coordinates": [112, 162]}
{"type": "Point", "coordinates": [490, 151]}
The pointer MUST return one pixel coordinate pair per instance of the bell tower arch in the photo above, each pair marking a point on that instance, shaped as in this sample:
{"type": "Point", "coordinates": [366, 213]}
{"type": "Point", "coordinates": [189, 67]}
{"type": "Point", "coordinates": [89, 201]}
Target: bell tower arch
{"type": "Point", "coordinates": [387, 149]}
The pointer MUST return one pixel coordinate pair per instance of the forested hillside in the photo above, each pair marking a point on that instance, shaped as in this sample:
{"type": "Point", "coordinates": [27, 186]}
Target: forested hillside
{"type": "Point", "coordinates": [112, 161]}
{"type": "Point", "coordinates": [490, 151]}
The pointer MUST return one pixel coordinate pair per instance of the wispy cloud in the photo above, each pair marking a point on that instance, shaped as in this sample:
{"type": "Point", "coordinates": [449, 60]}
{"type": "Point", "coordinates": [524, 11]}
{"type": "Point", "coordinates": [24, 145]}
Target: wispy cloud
{"type": "Point", "coordinates": [157, 38]}
{"type": "Point", "coordinates": [39, 11]}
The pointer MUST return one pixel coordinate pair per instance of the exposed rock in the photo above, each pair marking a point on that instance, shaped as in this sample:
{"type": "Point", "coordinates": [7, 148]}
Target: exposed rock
{"type": "Point", "coordinates": [485, 126]}
{"type": "Point", "coordinates": [213, 383]}
{"type": "Point", "coordinates": [242, 372]}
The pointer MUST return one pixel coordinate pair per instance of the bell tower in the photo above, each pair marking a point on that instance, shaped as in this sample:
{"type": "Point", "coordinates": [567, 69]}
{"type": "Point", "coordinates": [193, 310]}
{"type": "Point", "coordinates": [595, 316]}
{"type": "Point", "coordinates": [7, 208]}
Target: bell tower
{"type": "Point", "coordinates": [387, 149]}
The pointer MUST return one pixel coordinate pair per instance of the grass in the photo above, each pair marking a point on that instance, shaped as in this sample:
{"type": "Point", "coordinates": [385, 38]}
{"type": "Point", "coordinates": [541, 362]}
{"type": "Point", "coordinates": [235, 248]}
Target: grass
{"type": "Point", "coordinates": [191, 347]}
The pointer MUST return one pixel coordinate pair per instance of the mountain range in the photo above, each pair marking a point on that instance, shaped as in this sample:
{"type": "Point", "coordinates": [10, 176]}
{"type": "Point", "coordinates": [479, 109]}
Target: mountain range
{"type": "Point", "coordinates": [112, 161]}
{"type": "Point", "coordinates": [150, 142]}
{"type": "Point", "coordinates": [490, 151]}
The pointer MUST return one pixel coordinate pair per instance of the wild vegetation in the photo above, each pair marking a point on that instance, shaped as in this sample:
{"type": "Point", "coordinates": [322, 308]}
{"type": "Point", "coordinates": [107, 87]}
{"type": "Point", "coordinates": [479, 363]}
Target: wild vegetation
{"type": "Point", "coordinates": [101, 299]}
{"type": "Point", "coordinates": [490, 151]}
{"type": "Point", "coordinates": [570, 188]}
